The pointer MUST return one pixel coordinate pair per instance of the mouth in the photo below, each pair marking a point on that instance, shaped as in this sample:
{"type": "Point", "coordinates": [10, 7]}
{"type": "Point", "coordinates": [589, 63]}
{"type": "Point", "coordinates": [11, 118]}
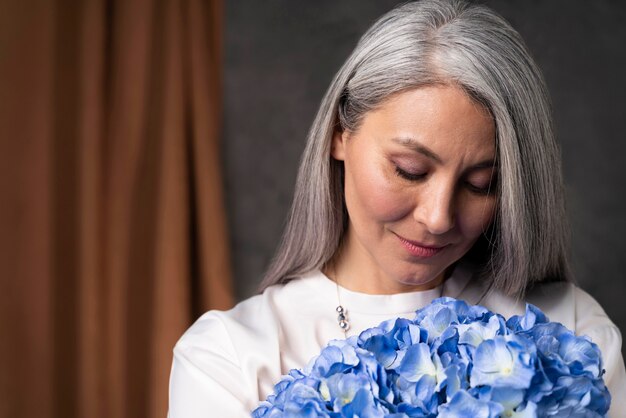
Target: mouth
{"type": "Point", "coordinates": [421, 250]}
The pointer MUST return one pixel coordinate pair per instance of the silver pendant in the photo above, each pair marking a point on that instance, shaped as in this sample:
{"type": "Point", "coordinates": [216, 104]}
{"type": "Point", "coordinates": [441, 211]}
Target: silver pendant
{"type": "Point", "coordinates": [342, 318]}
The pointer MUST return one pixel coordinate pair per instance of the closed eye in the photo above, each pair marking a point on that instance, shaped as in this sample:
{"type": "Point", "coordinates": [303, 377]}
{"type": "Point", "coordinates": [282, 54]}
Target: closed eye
{"type": "Point", "coordinates": [481, 190]}
{"type": "Point", "coordinates": [409, 176]}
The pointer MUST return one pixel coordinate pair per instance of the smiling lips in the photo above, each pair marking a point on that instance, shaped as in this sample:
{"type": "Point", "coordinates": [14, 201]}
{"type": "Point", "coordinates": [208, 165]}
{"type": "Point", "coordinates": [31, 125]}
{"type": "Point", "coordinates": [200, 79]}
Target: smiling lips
{"type": "Point", "coordinates": [419, 250]}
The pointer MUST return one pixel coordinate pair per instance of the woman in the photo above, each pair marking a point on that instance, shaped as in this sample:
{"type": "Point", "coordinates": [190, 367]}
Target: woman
{"type": "Point", "coordinates": [431, 169]}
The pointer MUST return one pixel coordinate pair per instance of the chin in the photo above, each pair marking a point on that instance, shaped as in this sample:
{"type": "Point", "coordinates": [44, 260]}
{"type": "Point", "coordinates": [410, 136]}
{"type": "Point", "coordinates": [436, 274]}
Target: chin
{"type": "Point", "coordinates": [420, 276]}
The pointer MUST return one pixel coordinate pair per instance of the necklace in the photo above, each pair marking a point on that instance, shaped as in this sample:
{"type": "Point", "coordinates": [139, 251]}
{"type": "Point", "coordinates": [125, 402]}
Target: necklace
{"type": "Point", "coordinates": [342, 314]}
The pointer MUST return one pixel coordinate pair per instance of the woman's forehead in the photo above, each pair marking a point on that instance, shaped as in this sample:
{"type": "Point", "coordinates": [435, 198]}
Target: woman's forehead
{"type": "Point", "coordinates": [435, 121]}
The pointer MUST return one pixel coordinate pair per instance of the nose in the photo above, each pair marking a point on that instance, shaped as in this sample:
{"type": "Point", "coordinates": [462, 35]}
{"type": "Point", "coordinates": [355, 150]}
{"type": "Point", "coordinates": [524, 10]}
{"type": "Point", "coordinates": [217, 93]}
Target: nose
{"type": "Point", "coordinates": [435, 210]}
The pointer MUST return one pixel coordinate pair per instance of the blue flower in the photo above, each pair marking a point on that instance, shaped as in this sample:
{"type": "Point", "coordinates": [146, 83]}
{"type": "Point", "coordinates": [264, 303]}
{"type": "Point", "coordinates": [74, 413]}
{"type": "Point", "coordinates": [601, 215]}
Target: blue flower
{"type": "Point", "coordinates": [363, 405]}
{"type": "Point", "coordinates": [454, 376]}
{"type": "Point", "coordinates": [438, 320]}
{"type": "Point", "coordinates": [416, 398]}
{"type": "Point", "coordinates": [511, 400]}
{"type": "Point", "coordinates": [504, 362]}
{"type": "Point", "coordinates": [464, 405]}
{"type": "Point", "coordinates": [341, 388]}
{"type": "Point", "coordinates": [474, 333]}
{"type": "Point", "coordinates": [452, 360]}
{"type": "Point", "coordinates": [303, 401]}
{"type": "Point", "coordinates": [576, 396]}
{"type": "Point", "coordinates": [337, 357]}
{"type": "Point", "coordinates": [389, 346]}
{"type": "Point", "coordinates": [297, 397]}
{"type": "Point", "coordinates": [532, 317]}
{"type": "Point", "coordinates": [418, 364]}
{"type": "Point", "coordinates": [580, 355]}
{"type": "Point", "coordinates": [561, 353]}
{"type": "Point", "coordinates": [463, 312]}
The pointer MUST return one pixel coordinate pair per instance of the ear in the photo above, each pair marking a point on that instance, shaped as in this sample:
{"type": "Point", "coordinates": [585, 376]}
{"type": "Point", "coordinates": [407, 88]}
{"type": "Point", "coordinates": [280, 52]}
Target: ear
{"type": "Point", "coordinates": [338, 146]}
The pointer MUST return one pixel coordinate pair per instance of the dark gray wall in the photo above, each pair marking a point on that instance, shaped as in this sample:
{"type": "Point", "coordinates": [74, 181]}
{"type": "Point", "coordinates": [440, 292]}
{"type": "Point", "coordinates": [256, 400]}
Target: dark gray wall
{"type": "Point", "coordinates": [281, 55]}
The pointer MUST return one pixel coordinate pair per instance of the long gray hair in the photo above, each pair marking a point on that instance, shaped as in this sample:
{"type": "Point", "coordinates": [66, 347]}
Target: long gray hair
{"type": "Point", "coordinates": [442, 42]}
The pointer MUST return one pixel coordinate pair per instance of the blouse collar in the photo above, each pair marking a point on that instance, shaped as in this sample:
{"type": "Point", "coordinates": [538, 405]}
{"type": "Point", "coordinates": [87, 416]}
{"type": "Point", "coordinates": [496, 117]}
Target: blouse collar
{"type": "Point", "coordinates": [455, 286]}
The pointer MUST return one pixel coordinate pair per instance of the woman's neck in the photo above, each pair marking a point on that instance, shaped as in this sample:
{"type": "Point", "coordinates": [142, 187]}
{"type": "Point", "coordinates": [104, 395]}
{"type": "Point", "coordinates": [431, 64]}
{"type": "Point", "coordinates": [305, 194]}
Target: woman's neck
{"type": "Point", "coordinates": [349, 269]}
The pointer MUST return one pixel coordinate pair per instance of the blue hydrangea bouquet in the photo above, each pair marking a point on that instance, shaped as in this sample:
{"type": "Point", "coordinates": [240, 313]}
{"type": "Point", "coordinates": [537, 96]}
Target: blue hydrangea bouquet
{"type": "Point", "coordinates": [452, 360]}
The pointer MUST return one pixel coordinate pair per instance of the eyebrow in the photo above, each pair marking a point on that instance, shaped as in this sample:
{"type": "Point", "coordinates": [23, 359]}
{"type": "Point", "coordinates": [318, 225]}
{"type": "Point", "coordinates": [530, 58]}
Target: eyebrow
{"type": "Point", "coordinates": [414, 145]}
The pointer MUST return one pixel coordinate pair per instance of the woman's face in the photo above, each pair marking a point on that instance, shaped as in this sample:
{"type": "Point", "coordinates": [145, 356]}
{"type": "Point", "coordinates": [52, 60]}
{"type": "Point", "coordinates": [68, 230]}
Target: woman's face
{"type": "Point", "coordinates": [419, 189]}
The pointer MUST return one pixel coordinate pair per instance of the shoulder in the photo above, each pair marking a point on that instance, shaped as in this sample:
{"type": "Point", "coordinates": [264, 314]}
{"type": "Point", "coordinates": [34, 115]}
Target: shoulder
{"type": "Point", "coordinates": [222, 332]}
{"type": "Point", "coordinates": [208, 373]}
{"type": "Point", "coordinates": [562, 302]}
{"type": "Point", "coordinates": [228, 360]}
{"type": "Point", "coordinates": [216, 330]}
{"type": "Point", "coordinates": [249, 338]}
{"type": "Point", "coordinates": [572, 306]}
{"type": "Point", "coordinates": [212, 352]}
{"type": "Point", "coordinates": [239, 353]}
{"type": "Point", "coordinates": [565, 301]}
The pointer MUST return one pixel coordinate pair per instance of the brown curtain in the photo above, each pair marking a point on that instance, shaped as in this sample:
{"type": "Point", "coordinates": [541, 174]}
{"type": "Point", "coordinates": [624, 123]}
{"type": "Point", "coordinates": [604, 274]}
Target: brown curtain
{"type": "Point", "coordinates": [113, 235]}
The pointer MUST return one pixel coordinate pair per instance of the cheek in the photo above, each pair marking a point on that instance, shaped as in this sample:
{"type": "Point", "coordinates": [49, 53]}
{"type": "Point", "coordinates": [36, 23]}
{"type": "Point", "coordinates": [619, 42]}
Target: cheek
{"type": "Point", "coordinates": [475, 217]}
{"type": "Point", "coordinates": [372, 193]}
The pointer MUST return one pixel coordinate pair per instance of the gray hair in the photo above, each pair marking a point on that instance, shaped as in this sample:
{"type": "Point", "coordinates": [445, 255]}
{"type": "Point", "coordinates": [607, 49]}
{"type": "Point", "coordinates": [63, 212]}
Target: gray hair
{"type": "Point", "coordinates": [442, 42]}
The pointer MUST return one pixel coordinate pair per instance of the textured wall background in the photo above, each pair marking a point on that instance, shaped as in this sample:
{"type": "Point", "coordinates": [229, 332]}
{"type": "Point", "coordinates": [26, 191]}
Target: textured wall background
{"type": "Point", "coordinates": [280, 56]}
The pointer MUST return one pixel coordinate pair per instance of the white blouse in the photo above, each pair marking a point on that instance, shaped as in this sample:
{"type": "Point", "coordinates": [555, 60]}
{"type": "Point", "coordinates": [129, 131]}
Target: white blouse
{"type": "Point", "coordinates": [227, 362]}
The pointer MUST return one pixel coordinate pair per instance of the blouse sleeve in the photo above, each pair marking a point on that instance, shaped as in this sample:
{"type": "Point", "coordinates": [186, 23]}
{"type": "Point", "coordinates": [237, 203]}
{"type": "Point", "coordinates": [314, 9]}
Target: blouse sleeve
{"type": "Point", "coordinates": [591, 320]}
{"type": "Point", "coordinates": [206, 379]}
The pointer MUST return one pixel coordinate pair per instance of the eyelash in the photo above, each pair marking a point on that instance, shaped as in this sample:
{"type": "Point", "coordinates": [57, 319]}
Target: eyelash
{"type": "Point", "coordinates": [482, 191]}
{"type": "Point", "coordinates": [476, 190]}
{"type": "Point", "coordinates": [409, 176]}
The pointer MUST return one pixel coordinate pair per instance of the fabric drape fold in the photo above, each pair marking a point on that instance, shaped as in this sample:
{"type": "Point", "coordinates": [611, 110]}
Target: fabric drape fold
{"type": "Point", "coordinates": [114, 231]}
